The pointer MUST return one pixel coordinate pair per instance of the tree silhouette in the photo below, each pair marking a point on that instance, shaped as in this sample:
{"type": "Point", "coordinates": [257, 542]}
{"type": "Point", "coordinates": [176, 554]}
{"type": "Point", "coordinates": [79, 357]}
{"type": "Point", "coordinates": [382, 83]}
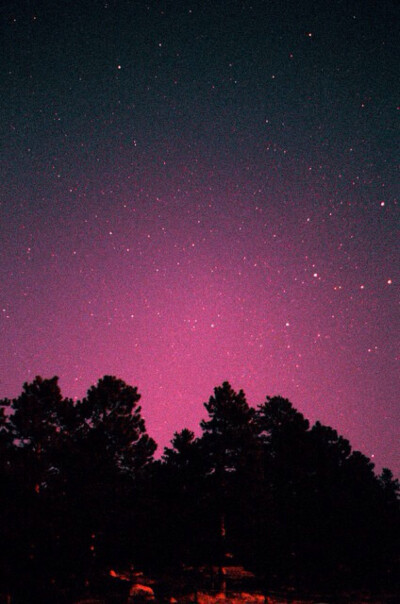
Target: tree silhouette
{"type": "Point", "coordinates": [390, 486]}
{"type": "Point", "coordinates": [182, 452]}
{"type": "Point", "coordinates": [110, 452]}
{"type": "Point", "coordinates": [82, 494]}
{"type": "Point", "coordinates": [284, 437]}
{"type": "Point", "coordinates": [71, 471]}
{"type": "Point", "coordinates": [111, 412]}
{"type": "Point", "coordinates": [229, 445]}
{"type": "Point", "coordinates": [180, 510]}
{"type": "Point", "coordinates": [36, 427]}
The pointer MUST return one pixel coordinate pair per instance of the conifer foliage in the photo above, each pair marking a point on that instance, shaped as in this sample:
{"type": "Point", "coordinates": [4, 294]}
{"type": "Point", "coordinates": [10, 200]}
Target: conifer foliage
{"type": "Point", "coordinates": [82, 494]}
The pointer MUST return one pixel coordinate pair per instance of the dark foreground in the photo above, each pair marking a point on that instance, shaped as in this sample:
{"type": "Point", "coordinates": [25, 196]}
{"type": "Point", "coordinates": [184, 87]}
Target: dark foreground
{"type": "Point", "coordinates": [133, 594]}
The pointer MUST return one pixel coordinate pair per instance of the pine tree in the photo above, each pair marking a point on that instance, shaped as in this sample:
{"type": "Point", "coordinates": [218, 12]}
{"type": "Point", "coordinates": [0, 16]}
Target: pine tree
{"type": "Point", "coordinates": [229, 445]}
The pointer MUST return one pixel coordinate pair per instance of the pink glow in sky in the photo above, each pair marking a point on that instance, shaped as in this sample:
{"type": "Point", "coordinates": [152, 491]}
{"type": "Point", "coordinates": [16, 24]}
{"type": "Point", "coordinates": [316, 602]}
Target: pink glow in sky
{"type": "Point", "coordinates": [184, 203]}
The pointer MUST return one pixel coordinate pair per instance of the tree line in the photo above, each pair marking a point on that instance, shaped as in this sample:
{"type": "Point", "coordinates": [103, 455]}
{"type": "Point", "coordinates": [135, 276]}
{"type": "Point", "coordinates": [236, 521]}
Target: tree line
{"type": "Point", "coordinates": [82, 494]}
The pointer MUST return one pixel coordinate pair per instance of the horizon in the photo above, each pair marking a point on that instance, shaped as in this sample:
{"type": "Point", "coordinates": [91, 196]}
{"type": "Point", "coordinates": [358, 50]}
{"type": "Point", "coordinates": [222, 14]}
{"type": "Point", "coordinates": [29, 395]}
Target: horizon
{"type": "Point", "coordinates": [166, 441]}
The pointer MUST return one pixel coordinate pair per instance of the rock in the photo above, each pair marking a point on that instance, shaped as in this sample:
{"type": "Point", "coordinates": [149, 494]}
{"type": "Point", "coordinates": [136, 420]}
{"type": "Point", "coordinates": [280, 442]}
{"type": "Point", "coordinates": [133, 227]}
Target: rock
{"type": "Point", "coordinates": [140, 593]}
{"type": "Point", "coordinates": [231, 598]}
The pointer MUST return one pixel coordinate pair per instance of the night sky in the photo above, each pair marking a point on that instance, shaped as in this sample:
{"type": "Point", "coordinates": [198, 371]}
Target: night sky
{"type": "Point", "coordinates": [194, 192]}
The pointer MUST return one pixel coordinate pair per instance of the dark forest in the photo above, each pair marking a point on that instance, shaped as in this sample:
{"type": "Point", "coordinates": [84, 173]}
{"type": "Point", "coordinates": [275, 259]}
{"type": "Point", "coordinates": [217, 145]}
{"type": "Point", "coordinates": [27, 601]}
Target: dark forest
{"type": "Point", "coordinates": [83, 500]}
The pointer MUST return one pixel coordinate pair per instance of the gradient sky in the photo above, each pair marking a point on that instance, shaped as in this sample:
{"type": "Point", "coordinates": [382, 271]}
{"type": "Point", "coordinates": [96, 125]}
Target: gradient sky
{"type": "Point", "coordinates": [194, 192]}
